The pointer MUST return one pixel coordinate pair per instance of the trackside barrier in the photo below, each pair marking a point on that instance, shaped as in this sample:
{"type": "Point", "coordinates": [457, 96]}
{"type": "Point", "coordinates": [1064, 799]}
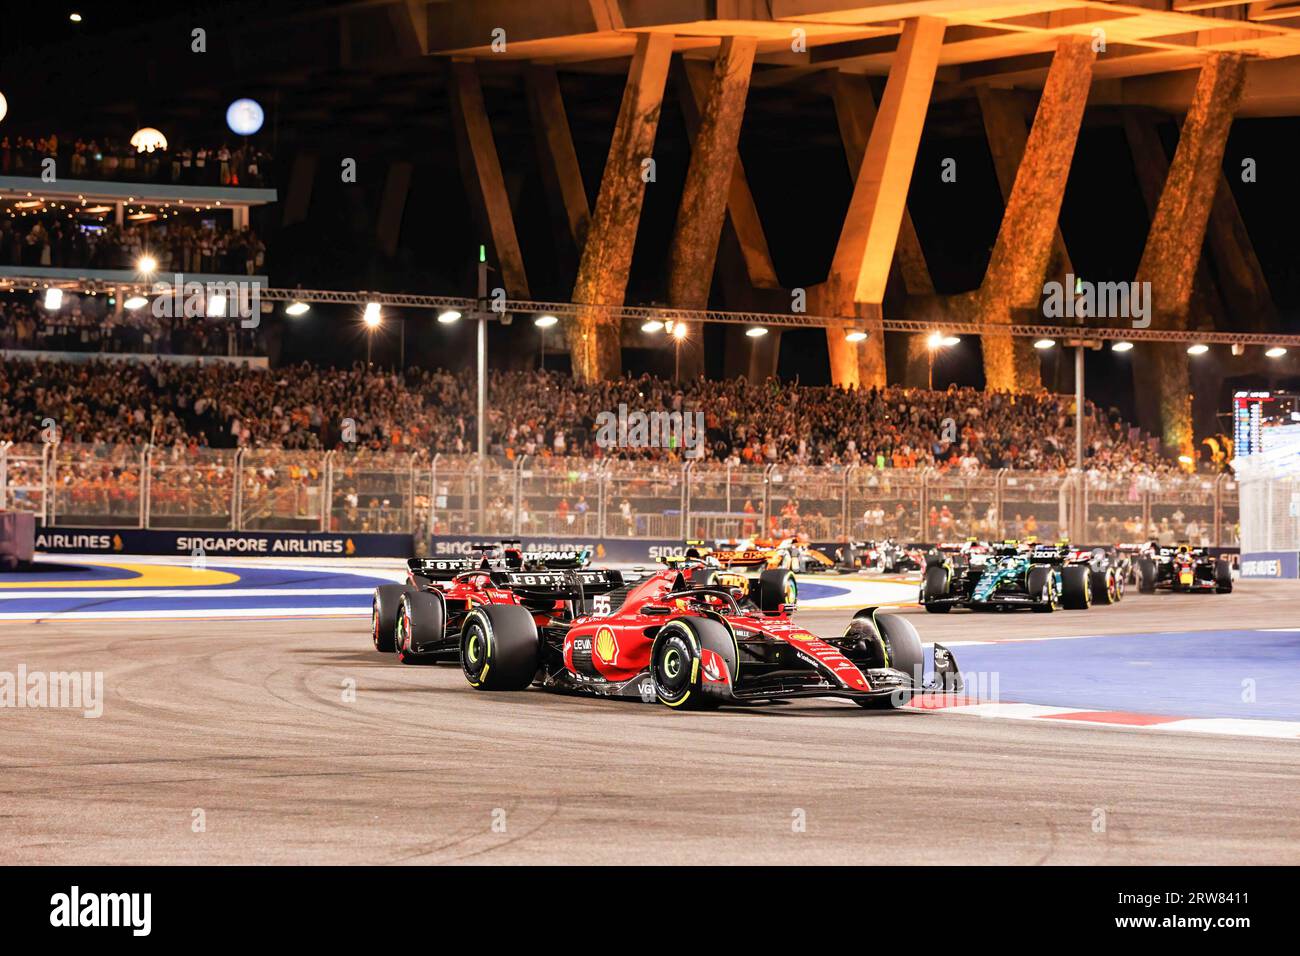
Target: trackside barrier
{"type": "Point", "coordinates": [171, 488]}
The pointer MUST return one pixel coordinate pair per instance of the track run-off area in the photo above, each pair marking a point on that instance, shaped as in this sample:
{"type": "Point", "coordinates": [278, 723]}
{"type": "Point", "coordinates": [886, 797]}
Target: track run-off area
{"type": "Point", "coordinates": [246, 718]}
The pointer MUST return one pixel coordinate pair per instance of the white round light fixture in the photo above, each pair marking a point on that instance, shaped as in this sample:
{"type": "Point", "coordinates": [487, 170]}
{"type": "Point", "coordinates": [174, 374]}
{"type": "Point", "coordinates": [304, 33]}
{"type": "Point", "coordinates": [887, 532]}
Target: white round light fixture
{"type": "Point", "coordinates": [245, 116]}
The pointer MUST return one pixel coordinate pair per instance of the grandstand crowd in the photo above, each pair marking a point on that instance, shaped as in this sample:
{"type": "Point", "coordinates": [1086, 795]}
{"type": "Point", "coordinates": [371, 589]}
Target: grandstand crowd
{"type": "Point", "coordinates": [548, 415]}
{"type": "Point", "coordinates": [105, 413]}
{"type": "Point", "coordinates": [178, 246]}
{"type": "Point", "coordinates": [90, 324]}
{"type": "Point", "coordinates": [192, 164]}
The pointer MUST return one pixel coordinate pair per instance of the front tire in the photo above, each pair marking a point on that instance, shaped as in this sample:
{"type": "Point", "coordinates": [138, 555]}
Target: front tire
{"type": "Point", "coordinates": [499, 647]}
{"type": "Point", "coordinates": [1041, 585]}
{"type": "Point", "coordinates": [675, 665]}
{"type": "Point", "coordinates": [776, 587]}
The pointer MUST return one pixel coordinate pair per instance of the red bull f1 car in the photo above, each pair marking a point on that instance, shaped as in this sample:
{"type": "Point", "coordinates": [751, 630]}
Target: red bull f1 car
{"type": "Point", "coordinates": [661, 637]}
{"type": "Point", "coordinates": [1182, 569]}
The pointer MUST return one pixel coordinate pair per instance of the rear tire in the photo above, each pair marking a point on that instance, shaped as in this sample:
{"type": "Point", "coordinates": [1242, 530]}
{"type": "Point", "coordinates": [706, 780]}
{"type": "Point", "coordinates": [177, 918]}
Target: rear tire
{"type": "Point", "coordinates": [499, 647]}
{"type": "Point", "coordinates": [1103, 591]}
{"type": "Point", "coordinates": [1146, 575]}
{"type": "Point", "coordinates": [1076, 588]}
{"type": "Point", "coordinates": [384, 608]}
{"type": "Point", "coordinates": [1223, 576]}
{"type": "Point", "coordinates": [935, 588]}
{"type": "Point", "coordinates": [421, 622]}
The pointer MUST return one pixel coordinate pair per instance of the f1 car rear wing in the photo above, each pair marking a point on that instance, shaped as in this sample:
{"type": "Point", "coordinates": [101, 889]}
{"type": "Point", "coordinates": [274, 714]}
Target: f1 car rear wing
{"type": "Point", "coordinates": [558, 585]}
{"type": "Point", "coordinates": [566, 560]}
{"type": "Point", "coordinates": [444, 569]}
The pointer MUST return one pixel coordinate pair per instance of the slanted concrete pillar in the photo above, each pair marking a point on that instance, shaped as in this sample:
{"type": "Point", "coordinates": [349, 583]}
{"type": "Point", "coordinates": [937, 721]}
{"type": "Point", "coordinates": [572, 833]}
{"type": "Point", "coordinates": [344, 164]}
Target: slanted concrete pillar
{"type": "Point", "coordinates": [742, 227]}
{"type": "Point", "coordinates": [1206, 309]}
{"type": "Point", "coordinates": [607, 255]}
{"type": "Point", "coordinates": [1177, 233]}
{"type": "Point", "coordinates": [559, 159]}
{"type": "Point", "coordinates": [859, 272]}
{"type": "Point", "coordinates": [1014, 278]}
{"type": "Point", "coordinates": [709, 179]}
{"type": "Point", "coordinates": [909, 275]}
{"type": "Point", "coordinates": [1241, 278]}
{"type": "Point", "coordinates": [481, 170]}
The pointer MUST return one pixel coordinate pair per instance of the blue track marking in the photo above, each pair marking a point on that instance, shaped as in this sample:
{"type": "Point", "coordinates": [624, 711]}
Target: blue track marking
{"type": "Point", "coordinates": [1179, 674]}
{"type": "Point", "coordinates": [83, 574]}
{"type": "Point", "coordinates": [811, 591]}
{"type": "Point", "coordinates": [210, 600]}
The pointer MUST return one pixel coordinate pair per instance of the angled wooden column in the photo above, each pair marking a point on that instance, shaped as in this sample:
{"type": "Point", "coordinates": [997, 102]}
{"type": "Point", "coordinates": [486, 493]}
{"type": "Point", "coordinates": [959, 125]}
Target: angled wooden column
{"type": "Point", "coordinates": [1177, 233]}
{"type": "Point", "coordinates": [1007, 135]}
{"type": "Point", "coordinates": [909, 274]}
{"type": "Point", "coordinates": [743, 225]}
{"type": "Point", "coordinates": [859, 272]}
{"type": "Point", "coordinates": [1241, 278]}
{"type": "Point", "coordinates": [709, 179]}
{"type": "Point", "coordinates": [482, 172]}
{"type": "Point", "coordinates": [559, 159]}
{"type": "Point", "coordinates": [1013, 281]}
{"type": "Point", "coordinates": [1151, 164]}
{"type": "Point", "coordinates": [607, 254]}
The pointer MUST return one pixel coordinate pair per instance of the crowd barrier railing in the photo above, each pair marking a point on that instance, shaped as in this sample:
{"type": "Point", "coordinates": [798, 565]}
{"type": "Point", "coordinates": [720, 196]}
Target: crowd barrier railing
{"type": "Point", "coordinates": [282, 490]}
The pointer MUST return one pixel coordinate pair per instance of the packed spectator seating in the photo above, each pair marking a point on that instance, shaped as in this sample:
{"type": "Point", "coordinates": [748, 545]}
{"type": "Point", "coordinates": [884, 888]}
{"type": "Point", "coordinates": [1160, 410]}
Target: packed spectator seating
{"type": "Point", "coordinates": [185, 163]}
{"type": "Point", "coordinates": [178, 245]}
{"type": "Point", "coordinates": [544, 414]}
{"type": "Point", "coordinates": [90, 324]}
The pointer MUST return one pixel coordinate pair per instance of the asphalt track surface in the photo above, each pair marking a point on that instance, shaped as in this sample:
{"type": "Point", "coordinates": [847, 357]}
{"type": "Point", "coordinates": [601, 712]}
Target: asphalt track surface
{"type": "Point", "coordinates": [245, 728]}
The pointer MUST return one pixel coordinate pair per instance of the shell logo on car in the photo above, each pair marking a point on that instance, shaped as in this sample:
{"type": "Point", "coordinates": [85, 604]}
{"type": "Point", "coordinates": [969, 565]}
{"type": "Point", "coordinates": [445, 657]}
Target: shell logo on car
{"type": "Point", "coordinates": [605, 646]}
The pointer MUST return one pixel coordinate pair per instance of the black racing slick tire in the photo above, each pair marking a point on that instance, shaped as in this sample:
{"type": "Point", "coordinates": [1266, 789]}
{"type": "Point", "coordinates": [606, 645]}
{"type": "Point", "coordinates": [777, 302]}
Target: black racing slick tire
{"type": "Point", "coordinates": [384, 608]}
{"type": "Point", "coordinates": [1076, 588]}
{"type": "Point", "coordinates": [1040, 583]}
{"type": "Point", "coordinates": [676, 664]}
{"type": "Point", "coordinates": [935, 588]}
{"type": "Point", "coordinates": [1223, 576]}
{"type": "Point", "coordinates": [1102, 592]}
{"type": "Point", "coordinates": [896, 644]}
{"type": "Point", "coordinates": [499, 647]}
{"type": "Point", "coordinates": [421, 622]}
{"type": "Point", "coordinates": [776, 586]}
{"type": "Point", "coordinates": [1146, 575]}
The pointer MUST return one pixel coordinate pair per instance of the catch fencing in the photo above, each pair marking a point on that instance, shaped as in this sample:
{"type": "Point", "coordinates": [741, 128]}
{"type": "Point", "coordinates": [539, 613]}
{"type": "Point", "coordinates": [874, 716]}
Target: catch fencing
{"type": "Point", "coordinates": [178, 488]}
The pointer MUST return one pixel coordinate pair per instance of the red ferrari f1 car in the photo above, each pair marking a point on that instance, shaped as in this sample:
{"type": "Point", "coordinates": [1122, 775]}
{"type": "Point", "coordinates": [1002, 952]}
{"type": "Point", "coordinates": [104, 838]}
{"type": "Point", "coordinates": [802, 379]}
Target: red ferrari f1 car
{"type": "Point", "coordinates": [661, 637]}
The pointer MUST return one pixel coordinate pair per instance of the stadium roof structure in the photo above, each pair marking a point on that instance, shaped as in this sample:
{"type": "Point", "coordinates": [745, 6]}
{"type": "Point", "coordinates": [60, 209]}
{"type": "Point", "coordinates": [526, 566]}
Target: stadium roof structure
{"type": "Point", "coordinates": [1149, 44]}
